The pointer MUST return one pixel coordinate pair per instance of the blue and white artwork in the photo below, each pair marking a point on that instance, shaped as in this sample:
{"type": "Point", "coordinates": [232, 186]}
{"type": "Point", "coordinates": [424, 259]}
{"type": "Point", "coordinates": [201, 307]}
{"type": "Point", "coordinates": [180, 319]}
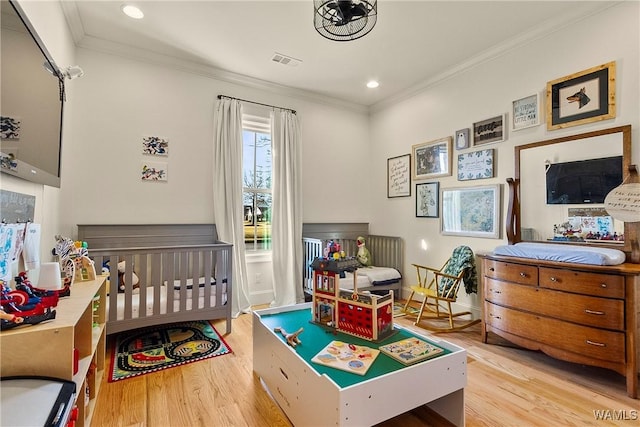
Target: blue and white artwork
{"type": "Point", "coordinates": [10, 127]}
{"type": "Point", "coordinates": [154, 171]}
{"type": "Point", "coordinates": [155, 145]}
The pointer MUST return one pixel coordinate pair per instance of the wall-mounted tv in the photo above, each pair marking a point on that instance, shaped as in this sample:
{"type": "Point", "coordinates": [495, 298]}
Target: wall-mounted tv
{"type": "Point", "coordinates": [584, 181]}
{"type": "Point", "coordinates": [31, 102]}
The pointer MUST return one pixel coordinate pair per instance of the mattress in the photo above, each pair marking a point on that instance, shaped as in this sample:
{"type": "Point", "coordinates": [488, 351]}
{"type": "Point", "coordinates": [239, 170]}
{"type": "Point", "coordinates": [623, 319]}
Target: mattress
{"type": "Point", "coordinates": [371, 276]}
{"type": "Point", "coordinates": [563, 253]}
{"type": "Point", "coordinates": [135, 300]}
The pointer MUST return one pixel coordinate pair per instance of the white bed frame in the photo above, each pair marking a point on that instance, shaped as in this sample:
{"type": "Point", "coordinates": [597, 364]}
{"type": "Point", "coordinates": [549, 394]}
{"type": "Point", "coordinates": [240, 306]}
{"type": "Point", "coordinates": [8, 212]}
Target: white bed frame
{"type": "Point", "coordinates": [161, 256]}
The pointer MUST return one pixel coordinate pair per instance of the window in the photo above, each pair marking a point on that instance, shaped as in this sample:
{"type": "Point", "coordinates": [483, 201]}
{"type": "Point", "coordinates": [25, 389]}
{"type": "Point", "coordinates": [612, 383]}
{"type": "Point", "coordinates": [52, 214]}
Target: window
{"type": "Point", "coordinates": [256, 182]}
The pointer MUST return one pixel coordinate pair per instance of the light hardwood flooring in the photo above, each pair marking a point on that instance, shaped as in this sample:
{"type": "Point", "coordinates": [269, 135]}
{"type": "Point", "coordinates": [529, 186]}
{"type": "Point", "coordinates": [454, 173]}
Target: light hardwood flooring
{"type": "Point", "coordinates": [507, 386]}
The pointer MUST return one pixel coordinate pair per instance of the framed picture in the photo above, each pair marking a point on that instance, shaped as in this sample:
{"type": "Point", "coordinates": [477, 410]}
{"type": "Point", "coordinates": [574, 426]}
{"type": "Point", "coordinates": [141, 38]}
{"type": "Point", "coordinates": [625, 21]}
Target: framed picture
{"type": "Point", "coordinates": [399, 176]}
{"type": "Point", "coordinates": [427, 195]}
{"type": "Point", "coordinates": [489, 130]}
{"type": "Point", "coordinates": [462, 139]}
{"type": "Point", "coordinates": [155, 145]}
{"type": "Point", "coordinates": [154, 171]}
{"type": "Point", "coordinates": [525, 112]}
{"type": "Point", "coordinates": [476, 165]}
{"type": "Point", "coordinates": [432, 159]}
{"type": "Point", "coordinates": [472, 211]}
{"type": "Point", "coordinates": [583, 97]}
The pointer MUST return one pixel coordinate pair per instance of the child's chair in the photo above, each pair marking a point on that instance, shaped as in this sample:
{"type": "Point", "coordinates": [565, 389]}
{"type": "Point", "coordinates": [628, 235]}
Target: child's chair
{"type": "Point", "coordinates": [439, 288]}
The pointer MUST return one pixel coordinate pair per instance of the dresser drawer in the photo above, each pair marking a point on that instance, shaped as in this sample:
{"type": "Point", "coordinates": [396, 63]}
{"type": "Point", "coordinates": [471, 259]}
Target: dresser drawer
{"type": "Point", "coordinates": [585, 310]}
{"type": "Point", "coordinates": [511, 272]}
{"type": "Point", "coordinates": [583, 340]}
{"type": "Point", "coordinates": [596, 284]}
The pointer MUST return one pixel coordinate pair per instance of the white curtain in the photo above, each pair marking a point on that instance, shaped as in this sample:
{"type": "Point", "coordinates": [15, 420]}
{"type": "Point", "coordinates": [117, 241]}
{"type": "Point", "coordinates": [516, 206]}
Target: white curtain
{"type": "Point", "coordinates": [228, 208]}
{"type": "Point", "coordinates": [286, 226]}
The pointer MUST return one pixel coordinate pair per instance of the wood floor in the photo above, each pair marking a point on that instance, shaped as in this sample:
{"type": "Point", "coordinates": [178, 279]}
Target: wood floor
{"type": "Point", "coordinates": [507, 386]}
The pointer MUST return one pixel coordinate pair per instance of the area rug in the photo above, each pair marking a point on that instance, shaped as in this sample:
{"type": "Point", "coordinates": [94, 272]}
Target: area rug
{"type": "Point", "coordinates": [143, 351]}
{"type": "Point", "coordinates": [398, 310]}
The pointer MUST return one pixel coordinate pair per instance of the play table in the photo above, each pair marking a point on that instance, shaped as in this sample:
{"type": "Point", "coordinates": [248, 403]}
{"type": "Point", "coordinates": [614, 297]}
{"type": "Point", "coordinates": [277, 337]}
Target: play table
{"type": "Point", "coordinates": [312, 394]}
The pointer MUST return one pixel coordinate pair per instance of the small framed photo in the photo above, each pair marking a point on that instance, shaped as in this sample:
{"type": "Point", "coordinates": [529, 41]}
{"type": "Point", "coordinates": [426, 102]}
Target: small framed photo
{"type": "Point", "coordinates": [427, 195]}
{"type": "Point", "coordinates": [525, 112]}
{"type": "Point", "coordinates": [462, 139]}
{"type": "Point", "coordinates": [472, 211]}
{"type": "Point", "coordinates": [476, 165]}
{"type": "Point", "coordinates": [583, 97]}
{"type": "Point", "coordinates": [399, 176]}
{"type": "Point", "coordinates": [489, 130]}
{"type": "Point", "coordinates": [432, 159]}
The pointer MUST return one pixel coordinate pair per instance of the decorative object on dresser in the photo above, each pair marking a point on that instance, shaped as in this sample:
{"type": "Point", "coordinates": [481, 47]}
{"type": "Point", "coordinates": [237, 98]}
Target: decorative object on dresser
{"type": "Point", "coordinates": [581, 313]}
{"type": "Point", "coordinates": [439, 289]}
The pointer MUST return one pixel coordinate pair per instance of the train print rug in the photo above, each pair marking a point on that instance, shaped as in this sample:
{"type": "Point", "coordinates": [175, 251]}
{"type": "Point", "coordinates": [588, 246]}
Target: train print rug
{"type": "Point", "coordinates": [143, 351]}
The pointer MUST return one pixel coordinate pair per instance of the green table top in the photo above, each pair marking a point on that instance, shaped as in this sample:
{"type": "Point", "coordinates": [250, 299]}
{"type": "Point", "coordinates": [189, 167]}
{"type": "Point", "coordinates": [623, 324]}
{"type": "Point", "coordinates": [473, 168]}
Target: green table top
{"type": "Point", "coordinates": [316, 337]}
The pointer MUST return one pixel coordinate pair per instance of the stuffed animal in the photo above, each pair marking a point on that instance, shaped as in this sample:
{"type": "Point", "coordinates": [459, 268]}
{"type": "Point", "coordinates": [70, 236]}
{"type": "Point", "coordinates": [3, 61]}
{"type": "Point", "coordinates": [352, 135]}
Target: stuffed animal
{"type": "Point", "coordinates": [363, 256]}
{"type": "Point", "coordinates": [121, 283]}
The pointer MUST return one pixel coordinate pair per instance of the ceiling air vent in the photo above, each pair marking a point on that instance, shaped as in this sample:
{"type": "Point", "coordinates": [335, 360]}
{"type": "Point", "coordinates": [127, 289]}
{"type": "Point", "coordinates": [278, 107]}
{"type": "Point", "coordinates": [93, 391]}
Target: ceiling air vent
{"type": "Point", "coordinates": [285, 60]}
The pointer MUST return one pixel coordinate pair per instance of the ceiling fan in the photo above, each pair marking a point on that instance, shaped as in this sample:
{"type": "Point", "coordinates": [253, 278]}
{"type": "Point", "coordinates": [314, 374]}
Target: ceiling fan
{"type": "Point", "coordinates": [344, 20]}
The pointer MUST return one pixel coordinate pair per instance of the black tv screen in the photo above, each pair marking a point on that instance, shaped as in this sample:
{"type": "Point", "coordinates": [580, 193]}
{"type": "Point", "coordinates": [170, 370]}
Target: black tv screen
{"type": "Point", "coordinates": [584, 181]}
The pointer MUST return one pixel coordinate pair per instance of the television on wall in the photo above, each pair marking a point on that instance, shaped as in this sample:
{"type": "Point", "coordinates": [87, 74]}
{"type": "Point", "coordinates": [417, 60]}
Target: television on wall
{"type": "Point", "coordinates": [31, 104]}
{"type": "Point", "coordinates": [583, 181]}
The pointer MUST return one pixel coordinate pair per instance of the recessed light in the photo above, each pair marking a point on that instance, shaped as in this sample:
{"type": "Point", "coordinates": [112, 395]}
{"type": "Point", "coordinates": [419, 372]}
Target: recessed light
{"type": "Point", "coordinates": [373, 84]}
{"type": "Point", "coordinates": [132, 11]}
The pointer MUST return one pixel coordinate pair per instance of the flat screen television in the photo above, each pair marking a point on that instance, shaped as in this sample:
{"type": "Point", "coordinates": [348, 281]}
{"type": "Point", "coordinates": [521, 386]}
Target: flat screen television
{"type": "Point", "coordinates": [583, 181]}
{"type": "Point", "coordinates": [31, 101]}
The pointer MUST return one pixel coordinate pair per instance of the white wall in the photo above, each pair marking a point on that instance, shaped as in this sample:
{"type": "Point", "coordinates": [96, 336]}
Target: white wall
{"type": "Point", "coordinates": [120, 100]}
{"type": "Point", "coordinates": [486, 90]}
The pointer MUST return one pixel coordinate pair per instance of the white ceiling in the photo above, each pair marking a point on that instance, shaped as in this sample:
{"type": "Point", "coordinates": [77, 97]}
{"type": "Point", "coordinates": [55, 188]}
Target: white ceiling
{"type": "Point", "coordinates": [413, 44]}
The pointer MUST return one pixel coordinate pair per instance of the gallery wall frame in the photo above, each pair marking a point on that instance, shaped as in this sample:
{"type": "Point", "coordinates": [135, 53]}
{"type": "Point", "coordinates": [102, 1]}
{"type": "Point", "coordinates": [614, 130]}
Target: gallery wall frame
{"type": "Point", "coordinates": [462, 139]}
{"type": "Point", "coordinates": [476, 165]}
{"type": "Point", "coordinates": [583, 97]}
{"type": "Point", "coordinates": [399, 176]}
{"type": "Point", "coordinates": [471, 211]}
{"type": "Point", "coordinates": [490, 130]}
{"type": "Point", "coordinates": [427, 199]}
{"type": "Point", "coordinates": [432, 159]}
{"type": "Point", "coordinates": [525, 112]}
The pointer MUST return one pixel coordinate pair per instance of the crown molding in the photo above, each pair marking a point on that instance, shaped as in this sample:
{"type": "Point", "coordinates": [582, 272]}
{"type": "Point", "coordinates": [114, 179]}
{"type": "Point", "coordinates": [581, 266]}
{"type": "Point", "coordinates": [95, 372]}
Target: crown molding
{"type": "Point", "coordinates": [545, 29]}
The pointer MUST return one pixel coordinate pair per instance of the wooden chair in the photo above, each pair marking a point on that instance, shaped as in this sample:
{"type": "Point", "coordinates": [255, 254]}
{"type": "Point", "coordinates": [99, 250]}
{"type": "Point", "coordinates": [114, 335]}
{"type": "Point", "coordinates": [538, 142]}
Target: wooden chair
{"type": "Point", "coordinates": [439, 288]}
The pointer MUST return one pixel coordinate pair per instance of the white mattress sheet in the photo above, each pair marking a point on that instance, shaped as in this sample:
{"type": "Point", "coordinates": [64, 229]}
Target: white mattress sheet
{"type": "Point", "coordinates": [563, 253]}
{"type": "Point", "coordinates": [135, 301]}
{"type": "Point", "coordinates": [369, 276]}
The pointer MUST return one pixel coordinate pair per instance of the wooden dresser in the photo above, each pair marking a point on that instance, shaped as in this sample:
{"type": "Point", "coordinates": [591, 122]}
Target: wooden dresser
{"type": "Point", "coordinates": [579, 313]}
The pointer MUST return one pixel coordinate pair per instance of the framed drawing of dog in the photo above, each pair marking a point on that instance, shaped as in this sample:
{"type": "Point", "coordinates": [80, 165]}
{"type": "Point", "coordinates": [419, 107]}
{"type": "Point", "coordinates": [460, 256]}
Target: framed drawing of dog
{"type": "Point", "coordinates": [583, 97]}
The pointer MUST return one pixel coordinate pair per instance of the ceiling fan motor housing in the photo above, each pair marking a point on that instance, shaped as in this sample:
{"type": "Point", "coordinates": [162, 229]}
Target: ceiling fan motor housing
{"type": "Point", "coordinates": [344, 20]}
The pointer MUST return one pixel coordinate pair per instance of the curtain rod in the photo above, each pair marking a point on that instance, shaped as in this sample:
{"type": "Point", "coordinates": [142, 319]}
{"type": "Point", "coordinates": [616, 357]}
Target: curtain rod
{"type": "Point", "coordinates": [257, 103]}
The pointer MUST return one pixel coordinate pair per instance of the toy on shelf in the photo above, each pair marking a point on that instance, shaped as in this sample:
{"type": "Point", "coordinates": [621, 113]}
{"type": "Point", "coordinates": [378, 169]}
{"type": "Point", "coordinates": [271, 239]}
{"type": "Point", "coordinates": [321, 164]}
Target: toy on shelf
{"type": "Point", "coordinates": [292, 339]}
{"type": "Point", "coordinates": [18, 310]}
{"type": "Point", "coordinates": [74, 260]}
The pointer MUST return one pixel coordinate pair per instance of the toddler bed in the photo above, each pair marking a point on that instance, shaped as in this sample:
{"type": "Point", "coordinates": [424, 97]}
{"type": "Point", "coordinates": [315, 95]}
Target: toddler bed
{"type": "Point", "coordinates": [183, 273]}
{"type": "Point", "coordinates": [387, 253]}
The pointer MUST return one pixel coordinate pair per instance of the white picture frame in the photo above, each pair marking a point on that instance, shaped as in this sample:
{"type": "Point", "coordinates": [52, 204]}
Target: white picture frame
{"type": "Point", "coordinates": [471, 211]}
{"type": "Point", "coordinates": [477, 164]}
{"type": "Point", "coordinates": [525, 112]}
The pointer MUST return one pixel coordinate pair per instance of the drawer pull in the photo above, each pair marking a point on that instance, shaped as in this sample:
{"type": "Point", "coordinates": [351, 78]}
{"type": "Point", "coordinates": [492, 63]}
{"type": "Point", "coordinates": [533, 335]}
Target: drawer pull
{"type": "Point", "coordinates": [495, 291]}
{"type": "Point", "coordinates": [492, 269]}
{"type": "Point", "coordinates": [603, 285]}
{"type": "Point", "coordinates": [598, 344]}
{"type": "Point", "coordinates": [523, 274]}
{"type": "Point", "coordinates": [553, 279]}
{"type": "Point", "coordinates": [494, 316]}
{"type": "Point", "coordinates": [599, 313]}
